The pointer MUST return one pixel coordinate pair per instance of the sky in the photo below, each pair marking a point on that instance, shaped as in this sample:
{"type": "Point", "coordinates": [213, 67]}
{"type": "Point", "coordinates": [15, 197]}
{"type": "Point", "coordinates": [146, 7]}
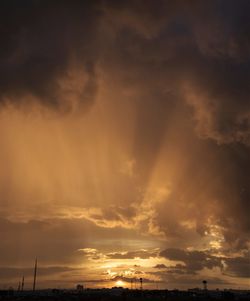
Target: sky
{"type": "Point", "coordinates": [125, 143]}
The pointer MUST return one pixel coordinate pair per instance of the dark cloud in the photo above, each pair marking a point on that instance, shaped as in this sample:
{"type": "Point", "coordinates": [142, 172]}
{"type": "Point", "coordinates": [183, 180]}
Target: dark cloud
{"type": "Point", "coordinates": [51, 59]}
{"type": "Point", "coordinates": [194, 260]}
{"type": "Point", "coordinates": [143, 254]}
{"type": "Point", "coordinates": [238, 266]}
{"type": "Point", "coordinates": [128, 279]}
{"type": "Point", "coordinates": [185, 280]}
{"type": "Point", "coordinates": [204, 45]}
{"type": "Point", "coordinates": [160, 266]}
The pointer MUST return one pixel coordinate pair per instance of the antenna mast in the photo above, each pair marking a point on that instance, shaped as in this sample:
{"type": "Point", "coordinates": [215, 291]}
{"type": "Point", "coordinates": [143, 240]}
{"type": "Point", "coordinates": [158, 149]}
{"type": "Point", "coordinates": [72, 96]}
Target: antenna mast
{"type": "Point", "coordinates": [35, 270]}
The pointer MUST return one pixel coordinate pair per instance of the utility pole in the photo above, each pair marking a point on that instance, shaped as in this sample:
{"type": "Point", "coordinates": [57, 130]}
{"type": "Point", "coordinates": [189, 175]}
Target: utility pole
{"type": "Point", "coordinates": [35, 270]}
{"type": "Point", "coordinates": [22, 284]}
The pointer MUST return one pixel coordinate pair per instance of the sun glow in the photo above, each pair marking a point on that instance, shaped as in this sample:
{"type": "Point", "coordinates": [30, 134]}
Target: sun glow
{"type": "Point", "coordinates": [120, 283]}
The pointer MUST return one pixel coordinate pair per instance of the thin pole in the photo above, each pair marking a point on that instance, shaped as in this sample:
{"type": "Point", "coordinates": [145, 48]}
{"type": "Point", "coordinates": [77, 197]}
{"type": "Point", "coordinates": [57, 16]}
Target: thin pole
{"type": "Point", "coordinates": [22, 283]}
{"type": "Point", "coordinates": [35, 269]}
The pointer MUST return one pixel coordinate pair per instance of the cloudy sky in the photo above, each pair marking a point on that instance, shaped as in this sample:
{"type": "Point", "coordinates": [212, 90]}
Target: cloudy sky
{"type": "Point", "coordinates": [125, 143]}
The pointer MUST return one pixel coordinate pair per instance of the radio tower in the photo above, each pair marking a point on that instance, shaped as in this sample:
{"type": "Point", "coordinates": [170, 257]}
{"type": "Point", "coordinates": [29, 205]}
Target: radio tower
{"type": "Point", "coordinates": [35, 269]}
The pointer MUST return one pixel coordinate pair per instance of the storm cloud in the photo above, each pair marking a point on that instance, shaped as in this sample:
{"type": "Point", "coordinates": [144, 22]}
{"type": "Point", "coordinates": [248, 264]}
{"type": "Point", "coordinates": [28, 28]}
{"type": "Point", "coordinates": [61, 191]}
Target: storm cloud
{"type": "Point", "coordinates": [46, 59]}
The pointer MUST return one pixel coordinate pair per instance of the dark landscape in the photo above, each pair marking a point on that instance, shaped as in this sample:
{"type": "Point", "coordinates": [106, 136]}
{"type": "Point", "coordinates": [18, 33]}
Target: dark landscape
{"type": "Point", "coordinates": [120, 294]}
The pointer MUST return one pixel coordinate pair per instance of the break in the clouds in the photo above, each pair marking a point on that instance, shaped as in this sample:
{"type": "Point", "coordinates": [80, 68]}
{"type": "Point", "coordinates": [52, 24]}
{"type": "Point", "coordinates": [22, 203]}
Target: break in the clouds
{"type": "Point", "coordinates": [125, 135]}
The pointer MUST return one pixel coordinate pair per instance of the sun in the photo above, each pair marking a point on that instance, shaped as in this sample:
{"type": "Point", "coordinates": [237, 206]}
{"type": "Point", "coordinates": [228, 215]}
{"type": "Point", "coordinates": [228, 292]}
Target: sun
{"type": "Point", "coordinates": [119, 283]}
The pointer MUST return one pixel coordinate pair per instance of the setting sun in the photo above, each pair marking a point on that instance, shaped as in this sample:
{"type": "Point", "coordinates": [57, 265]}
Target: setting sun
{"type": "Point", "coordinates": [120, 283]}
